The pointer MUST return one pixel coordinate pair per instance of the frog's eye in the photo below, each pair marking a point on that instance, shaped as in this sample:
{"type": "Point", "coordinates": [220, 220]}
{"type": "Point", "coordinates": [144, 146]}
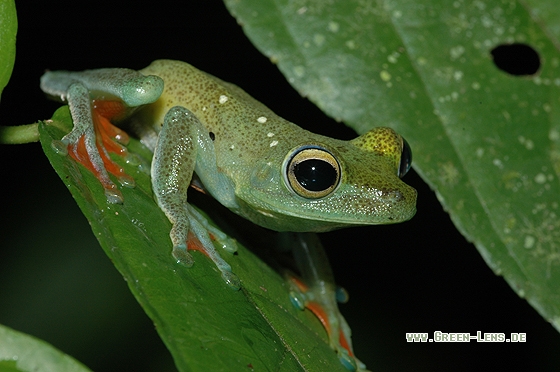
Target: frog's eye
{"type": "Point", "coordinates": [312, 172]}
{"type": "Point", "coordinates": [406, 159]}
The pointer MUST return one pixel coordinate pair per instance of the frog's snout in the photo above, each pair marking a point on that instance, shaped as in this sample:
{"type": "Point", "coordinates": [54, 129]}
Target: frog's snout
{"type": "Point", "coordinates": [400, 203]}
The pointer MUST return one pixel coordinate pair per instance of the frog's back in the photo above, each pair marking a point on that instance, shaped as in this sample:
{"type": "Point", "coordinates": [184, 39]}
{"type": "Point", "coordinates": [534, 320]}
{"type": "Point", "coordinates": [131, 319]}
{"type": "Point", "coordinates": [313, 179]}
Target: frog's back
{"type": "Point", "coordinates": [241, 126]}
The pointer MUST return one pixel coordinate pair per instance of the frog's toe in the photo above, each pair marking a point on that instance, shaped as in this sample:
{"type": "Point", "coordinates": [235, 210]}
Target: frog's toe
{"type": "Point", "coordinates": [226, 243]}
{"type": "Point", "coordinates": [298, 299]}
{"type": "Point", "coordinates": [231, 280]}
{"type": "Point", "coordinates": [346, 360]}
{"type": "Point", "coordinates": [182, 256]}
{"type": "Point", "coordinates": [113, 195]}
{"type": "Point", "coordinates": [59, 147]}
{"type": "Point", "coordinates": [342, 295]}
{"type": "Point", "coordinates": [200, 238]}
{"type": "Point", "coordinates": [216, 235]}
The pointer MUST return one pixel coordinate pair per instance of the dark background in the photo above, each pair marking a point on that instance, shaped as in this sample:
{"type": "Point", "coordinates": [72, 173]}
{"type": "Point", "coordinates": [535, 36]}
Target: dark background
{"type": "Point", "coordinates": [57, 284]}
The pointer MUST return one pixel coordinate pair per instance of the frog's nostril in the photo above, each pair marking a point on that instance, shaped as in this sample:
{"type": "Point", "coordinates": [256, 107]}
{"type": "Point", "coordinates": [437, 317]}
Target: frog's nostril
{"type": "Point", "coordinates": [393, 196]}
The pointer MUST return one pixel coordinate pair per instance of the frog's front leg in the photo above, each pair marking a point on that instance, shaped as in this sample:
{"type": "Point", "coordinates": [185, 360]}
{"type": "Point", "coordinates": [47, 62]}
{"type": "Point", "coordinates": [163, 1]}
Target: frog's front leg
{"type": "Point", "coordinates": [319, 293]}
{"type": "Point", "coordinates": [183, 146]}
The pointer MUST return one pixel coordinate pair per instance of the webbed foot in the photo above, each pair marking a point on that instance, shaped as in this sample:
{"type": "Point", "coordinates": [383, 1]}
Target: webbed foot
{"type": "Point", "coordinates": [201, 237]}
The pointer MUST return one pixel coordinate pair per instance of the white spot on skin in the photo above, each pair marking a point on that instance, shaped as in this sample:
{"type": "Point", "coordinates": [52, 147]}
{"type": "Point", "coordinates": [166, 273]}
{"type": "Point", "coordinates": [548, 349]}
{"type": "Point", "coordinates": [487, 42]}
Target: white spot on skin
{"type": "Point", "coordinates": [223, 99]}
{"type": "Point", "coordinates": [262, 120]}
{"type": "Point", "coordinates": [273, 143]}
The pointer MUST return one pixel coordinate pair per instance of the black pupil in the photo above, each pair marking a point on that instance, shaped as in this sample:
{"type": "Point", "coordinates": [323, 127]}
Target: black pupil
{"type": "Point", "coordinates": [315, 174]}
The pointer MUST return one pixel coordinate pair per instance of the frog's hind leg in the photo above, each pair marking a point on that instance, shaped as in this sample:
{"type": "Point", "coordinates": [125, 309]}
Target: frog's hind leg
{"type": "Point", "coordinates": [318, 293]}
{"type": "Point", "coordinates": [94, 136]}
{"type": "Point", "coordinates": [85, 143]}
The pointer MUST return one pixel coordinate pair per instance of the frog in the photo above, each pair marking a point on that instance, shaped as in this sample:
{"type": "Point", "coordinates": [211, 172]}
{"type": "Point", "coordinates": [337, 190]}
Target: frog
{"type": "Point", "coordinates": [211, 135]}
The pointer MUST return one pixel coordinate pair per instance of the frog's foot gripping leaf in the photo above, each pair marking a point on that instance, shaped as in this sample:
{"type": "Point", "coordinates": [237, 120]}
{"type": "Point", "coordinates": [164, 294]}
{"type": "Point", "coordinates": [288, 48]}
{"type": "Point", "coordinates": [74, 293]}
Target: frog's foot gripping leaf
{"type": "Point", "coordinates": [318, 293]}
{"type": "Point", "coordinates": [200, 237]}
{"type": "Point", "coordinates": [94, 137]}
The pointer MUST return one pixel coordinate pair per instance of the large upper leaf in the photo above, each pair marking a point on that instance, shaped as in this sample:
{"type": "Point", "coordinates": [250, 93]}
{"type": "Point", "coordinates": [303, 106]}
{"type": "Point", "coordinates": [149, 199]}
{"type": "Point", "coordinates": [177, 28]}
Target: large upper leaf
{"type": "Point", "coordinates": [486, 141]}
{"type": "Point", "coordinates": [205, 324]}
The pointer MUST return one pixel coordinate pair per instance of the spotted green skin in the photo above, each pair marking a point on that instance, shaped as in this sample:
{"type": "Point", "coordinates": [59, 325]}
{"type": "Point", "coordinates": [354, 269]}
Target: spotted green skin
{"type": "Point", "coordinates": [251, 145]}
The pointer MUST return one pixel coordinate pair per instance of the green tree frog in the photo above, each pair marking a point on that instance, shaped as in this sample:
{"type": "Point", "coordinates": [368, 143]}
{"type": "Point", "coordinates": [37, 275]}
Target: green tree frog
{"type": "Point", "coordinates": [260, 166]}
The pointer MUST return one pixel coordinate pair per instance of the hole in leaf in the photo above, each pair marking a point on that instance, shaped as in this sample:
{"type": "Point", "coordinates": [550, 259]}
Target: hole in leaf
{"type": "Point", "coordinates": [516, 59]}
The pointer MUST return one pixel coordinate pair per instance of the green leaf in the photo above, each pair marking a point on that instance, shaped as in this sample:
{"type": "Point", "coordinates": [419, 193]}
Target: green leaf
{"type": "Point", "coordinates": [8, 29]}
{"type": "Point", "coordinates": [205, 324]}
{"type": "Point", "coordinates": [486, 141]}
{"type": "Point", "coordinates": [21, 352]}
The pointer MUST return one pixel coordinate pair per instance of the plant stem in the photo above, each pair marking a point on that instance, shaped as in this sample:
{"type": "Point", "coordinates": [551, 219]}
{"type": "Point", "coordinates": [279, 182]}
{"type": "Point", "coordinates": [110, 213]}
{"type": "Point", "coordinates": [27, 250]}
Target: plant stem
{"type": "Point", "coordinates": [15, 135]}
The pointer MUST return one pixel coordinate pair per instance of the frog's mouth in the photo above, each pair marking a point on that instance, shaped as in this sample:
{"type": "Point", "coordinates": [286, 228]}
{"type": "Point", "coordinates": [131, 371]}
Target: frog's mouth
{"type": "Point", "coordinates": [321, 216]}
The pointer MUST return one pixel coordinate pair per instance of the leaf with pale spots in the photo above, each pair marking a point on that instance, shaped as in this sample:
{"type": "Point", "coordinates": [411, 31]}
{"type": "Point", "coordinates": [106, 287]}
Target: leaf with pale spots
{"type": "Point", "coordinates": [485, 135]}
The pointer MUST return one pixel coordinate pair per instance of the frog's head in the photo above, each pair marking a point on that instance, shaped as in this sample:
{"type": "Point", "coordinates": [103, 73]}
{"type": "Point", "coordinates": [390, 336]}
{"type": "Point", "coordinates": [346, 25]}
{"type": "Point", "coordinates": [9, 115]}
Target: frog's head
{"type": "Point", "coordinates": [323, 184]}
